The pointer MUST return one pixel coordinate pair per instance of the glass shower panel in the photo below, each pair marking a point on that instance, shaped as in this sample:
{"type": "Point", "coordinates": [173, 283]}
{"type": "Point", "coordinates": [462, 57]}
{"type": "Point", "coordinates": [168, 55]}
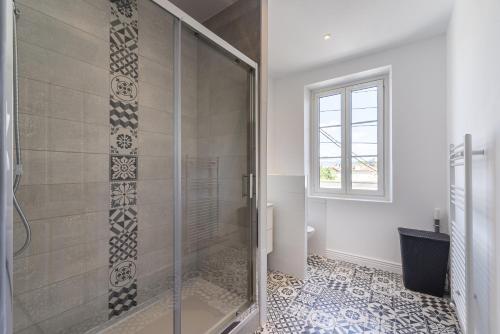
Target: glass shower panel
{"type": "Point", "coordinates": [216, 146]}
{"type": "Point", "coordinates": [96, 127]}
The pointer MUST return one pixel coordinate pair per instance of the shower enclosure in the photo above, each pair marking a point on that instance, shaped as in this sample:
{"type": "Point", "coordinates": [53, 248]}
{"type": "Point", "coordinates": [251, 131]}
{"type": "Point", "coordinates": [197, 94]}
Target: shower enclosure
{"type": "Point", "coordinates": [137, 135]}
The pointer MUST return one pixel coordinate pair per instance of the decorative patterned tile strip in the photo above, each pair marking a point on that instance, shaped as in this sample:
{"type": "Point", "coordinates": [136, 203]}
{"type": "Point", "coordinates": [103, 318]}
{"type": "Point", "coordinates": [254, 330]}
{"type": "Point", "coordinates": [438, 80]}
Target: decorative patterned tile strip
{"type": "Point", "coordinates": [123, 168]}
{"type": "Point", "coordinates": [123, 194]}
{"type": "Point", "coordinates": [123, 159]}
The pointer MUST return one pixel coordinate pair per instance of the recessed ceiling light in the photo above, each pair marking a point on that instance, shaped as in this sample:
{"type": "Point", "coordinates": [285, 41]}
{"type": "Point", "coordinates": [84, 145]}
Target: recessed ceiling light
{"type": "Point", "coordinates": [327, 36]}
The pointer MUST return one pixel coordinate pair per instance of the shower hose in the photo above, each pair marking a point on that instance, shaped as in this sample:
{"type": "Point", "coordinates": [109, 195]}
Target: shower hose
{"type": "Point", "coordinates": [18, 167]}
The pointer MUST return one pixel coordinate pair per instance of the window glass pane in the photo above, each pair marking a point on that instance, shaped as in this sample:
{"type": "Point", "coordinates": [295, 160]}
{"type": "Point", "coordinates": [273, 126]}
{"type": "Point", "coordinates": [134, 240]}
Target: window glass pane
{"type": "Point", "coordinates": [363, 98]}
{"type": "Point", "coordinates": [330, 135]}
{"type": "Point", "coordinates": [364, 140]}
{"type": "Point", "coordinates": [330, 118]}
{"type": "Point", "coordinates": [329, 150]}
{"type": "Point", "coordinates": [364, 173]}
{"type": "Point", "coordinates": [330, 102]}
{"type": "Point", "coordinates": [330, 173]}
{"type": "Point", "coordinates": [364, 129]}
{"type": "Point", "coordinates": [330, 141]}
{"type": "Point", "coordinates": [330, 110]}
{"type": "Point", "coordinates": [361, 115]}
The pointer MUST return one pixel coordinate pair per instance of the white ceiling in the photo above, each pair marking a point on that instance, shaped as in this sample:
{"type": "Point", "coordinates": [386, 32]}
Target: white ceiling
{"type": "Point", "coordinates": [296, 28]}
{"type": "Point", "coordinates": [202, 10]}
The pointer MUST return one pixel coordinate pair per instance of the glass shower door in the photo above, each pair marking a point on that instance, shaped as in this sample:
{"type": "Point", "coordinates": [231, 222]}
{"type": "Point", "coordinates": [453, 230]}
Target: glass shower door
{"type": "Point", "coordinates": [217, 166]}
{"type": "Point", "coordinates": [104, 147]}
{"type": "Point", "coordinates": [96, 137]}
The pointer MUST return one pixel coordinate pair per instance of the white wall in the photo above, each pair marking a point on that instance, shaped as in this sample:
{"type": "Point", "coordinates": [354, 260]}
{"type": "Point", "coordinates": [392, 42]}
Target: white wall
{"type": "Point", "coordinates": [474, 107]}
{"type": "Point", "coordinates": [419, 150]}
{"type": "Point", "coordinates": [287, 194]}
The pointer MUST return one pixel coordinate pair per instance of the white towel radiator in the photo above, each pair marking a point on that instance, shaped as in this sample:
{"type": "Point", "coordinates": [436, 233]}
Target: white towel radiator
{"type": "Point", "coordinates": [460, 160]}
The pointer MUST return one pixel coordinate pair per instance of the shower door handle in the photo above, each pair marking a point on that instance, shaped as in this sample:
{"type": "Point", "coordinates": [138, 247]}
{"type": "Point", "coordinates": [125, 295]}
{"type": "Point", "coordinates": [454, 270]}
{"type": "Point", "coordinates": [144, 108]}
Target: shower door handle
{"type": "Point", "coordinates": [250, 185]}
{"type": "Point", "coordinates": [244, 186]}
{"type": "Point", "coordinates": [247, 185]}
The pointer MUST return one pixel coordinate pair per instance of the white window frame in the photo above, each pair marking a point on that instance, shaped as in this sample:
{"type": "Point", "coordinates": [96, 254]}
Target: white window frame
{"type": "Point", "coordinates": [384, 191]}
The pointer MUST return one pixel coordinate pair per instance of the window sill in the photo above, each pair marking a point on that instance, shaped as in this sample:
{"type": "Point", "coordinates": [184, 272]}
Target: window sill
{"type": "Point", "coordinates": [355, 198]}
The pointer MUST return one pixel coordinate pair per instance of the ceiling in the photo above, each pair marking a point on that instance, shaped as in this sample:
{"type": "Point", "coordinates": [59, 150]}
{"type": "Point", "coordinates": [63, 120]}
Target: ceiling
{"type": "Point", "coordinates": [357, 27]}
{"type": "Point", "coordinates": [202, 10]}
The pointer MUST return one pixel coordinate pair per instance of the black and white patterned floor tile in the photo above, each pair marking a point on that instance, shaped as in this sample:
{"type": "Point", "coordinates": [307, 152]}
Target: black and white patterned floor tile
{"type": "Point", "coordinates": [344, 298]}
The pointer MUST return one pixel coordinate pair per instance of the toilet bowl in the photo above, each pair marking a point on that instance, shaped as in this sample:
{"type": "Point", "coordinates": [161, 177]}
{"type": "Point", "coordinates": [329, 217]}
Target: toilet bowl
{"type": "Point", "coordinates": [310, 231]}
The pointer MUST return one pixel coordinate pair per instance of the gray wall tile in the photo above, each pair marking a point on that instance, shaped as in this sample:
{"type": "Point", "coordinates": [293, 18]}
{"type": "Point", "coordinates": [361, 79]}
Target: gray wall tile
{"type": "Point", "coordinates": [155, 144]}
{"type": "Point", "coordinates": [96, 138]}
{"type": "Point", "coordinates": [54, 200]}
{"type": "Point", "coordinates": [63, 135]}
{"type": "Point", "coordinates": [154, 120]}
{"type": "Point", "coordinates": [77, 13]}
{"type": "Point", "coordinates": [64, 167]}
{"type": "Point", "coordinates": [48, 66]}
{"type": "Point", "coordinates": [33, 131]}
{"type": "Point", "coordinates": [39, 29]}
{"type": "Point", "coordinates": [156, 168]}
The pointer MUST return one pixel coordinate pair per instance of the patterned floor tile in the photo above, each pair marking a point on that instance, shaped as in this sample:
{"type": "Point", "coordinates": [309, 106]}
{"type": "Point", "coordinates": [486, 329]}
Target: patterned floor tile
{"type": "Point", "coordinates": [438, 316]}
{"type": "Point", "coordinates": [438, 328]}
{"type": "Point", "coordinates": [327, 305]}
{"type": "Point", "coordinates": [342, 297]}
{"type": "Point", "coordinates": [288, 324]}
{"type": "Point", "coordinates": [323, 320]}
{"type": "Point", "coordinates": [299, 310]}
{"type": "Point", "coordinates": [346, 327]}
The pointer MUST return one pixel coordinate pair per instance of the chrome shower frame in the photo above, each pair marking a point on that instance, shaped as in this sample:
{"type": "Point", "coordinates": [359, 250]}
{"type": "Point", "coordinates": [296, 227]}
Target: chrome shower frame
{"type": "Point", "coordinates": [6, 172]}
{"type": "Point", "coordinates": [7, 161]}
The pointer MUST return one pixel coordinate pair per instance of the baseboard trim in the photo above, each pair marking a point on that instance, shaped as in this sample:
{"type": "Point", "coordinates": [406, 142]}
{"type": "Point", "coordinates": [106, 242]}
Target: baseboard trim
{"type": "Point", "coordinates": [390, 266]}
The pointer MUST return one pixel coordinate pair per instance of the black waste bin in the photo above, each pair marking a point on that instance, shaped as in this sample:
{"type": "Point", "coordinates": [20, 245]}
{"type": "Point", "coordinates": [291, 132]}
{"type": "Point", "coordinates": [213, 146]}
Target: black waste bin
{"type": "Point", "coordinates": [425, 260]}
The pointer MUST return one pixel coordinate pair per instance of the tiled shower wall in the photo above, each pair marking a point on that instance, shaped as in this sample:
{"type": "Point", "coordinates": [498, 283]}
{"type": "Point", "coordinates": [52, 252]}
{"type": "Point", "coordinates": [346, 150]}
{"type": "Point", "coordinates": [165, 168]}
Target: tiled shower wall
{"type": "Point", "coordinates": [239, 24]}
{"type": "Point", "coordinates": [61, 282]}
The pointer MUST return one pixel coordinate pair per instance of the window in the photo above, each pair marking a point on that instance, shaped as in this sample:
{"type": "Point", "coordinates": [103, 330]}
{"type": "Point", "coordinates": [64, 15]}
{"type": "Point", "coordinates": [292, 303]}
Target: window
{"type": "Point", "coordinates": [350, 144]}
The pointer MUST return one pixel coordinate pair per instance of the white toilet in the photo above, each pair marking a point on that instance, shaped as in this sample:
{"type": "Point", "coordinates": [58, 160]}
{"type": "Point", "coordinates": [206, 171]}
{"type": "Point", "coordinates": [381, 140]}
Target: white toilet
{"type": "Point", "coordinates": [310, 231]}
